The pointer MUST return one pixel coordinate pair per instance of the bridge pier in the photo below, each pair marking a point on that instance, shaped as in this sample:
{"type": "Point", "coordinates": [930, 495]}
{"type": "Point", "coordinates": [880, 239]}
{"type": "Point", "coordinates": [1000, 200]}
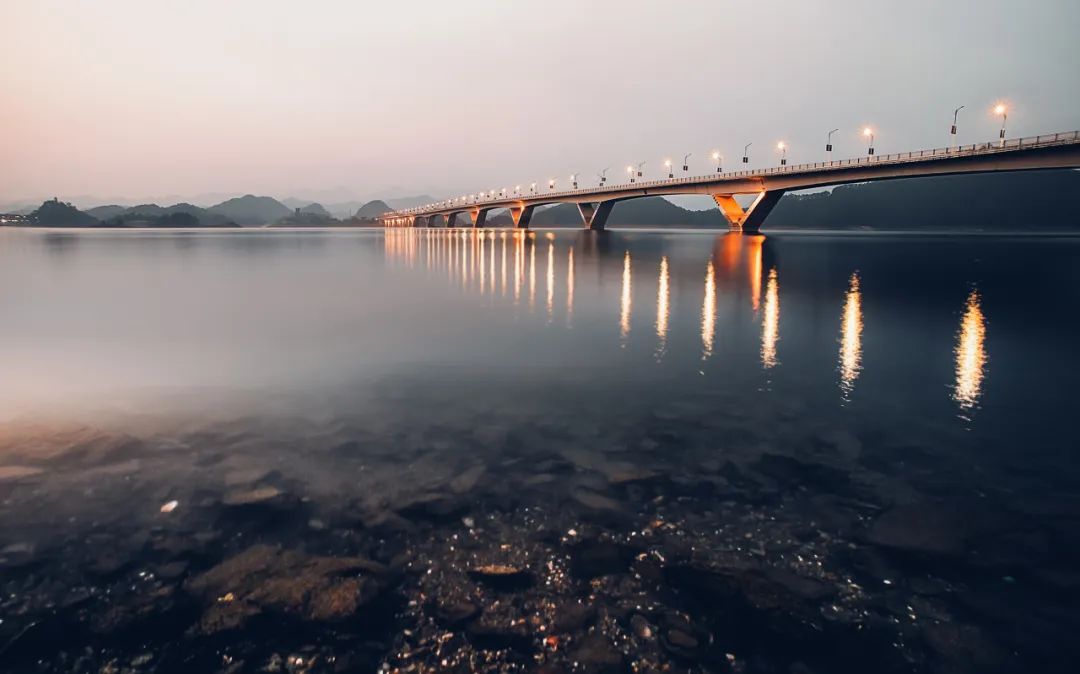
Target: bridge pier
{"type": "Point", "coordinates": [478, 216]}
{"type": "Point", "coordinates": [521, 215]}
{"type": "Point", "coordinates": [451, 219]}
{"type": "Point", "coordinates": [595, 214]}
{"type": "Point", "coordinates": [748, 220]}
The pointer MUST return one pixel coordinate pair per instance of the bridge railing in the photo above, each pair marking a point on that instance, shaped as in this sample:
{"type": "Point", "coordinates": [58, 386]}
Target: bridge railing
{"type": "Point", "coordinates": [974, 149]}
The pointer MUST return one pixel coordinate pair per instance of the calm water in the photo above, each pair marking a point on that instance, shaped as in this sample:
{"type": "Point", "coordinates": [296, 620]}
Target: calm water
{"type": "Point", "coordinates": [422, 450]}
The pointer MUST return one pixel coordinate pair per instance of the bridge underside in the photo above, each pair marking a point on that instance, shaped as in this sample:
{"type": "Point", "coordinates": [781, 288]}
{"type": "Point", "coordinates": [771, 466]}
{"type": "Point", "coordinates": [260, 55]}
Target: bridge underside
{"type": "Point", "coordinates": [768, 186]}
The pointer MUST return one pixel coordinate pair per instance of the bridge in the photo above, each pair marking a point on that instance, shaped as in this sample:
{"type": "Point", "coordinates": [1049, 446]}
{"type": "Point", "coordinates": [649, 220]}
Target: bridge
{"type": "Point", "coordinates": [765, 186]}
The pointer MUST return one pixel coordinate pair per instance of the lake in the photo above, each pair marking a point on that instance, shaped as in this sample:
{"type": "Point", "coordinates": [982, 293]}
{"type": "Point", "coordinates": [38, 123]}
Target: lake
{"type": "Point", "coordinates": [420, 450]}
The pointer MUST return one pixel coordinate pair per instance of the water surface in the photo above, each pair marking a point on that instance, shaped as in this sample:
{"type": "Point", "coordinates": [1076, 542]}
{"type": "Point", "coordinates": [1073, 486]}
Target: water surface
{"type": "Point", "coordinates": [431, 450]}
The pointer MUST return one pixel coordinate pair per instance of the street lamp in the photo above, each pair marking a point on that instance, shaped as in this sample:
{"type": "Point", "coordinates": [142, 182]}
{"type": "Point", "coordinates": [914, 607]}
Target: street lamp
{"type": "Point", "coordinates": [952, 131]}
{"type": "Point", "coordinates": [602, 176]}
{"type": "Point", "coordinates": [640, 168]}
{"type": "Point", "coordinates": [869, 133]}
{"type": "Point", "coordinates": [1000, 109]}
{"type": "Point", "coordinates": [551, 183]}
{"type": "Point", "coordinates": [517, 189]}
{"type": "Point", "coordinates": [828, 144]}
{"type": "Point", "coordinates": [630, 172]}
{"type": "Point", "coordinates": [667, 163]}
{"type": "Point", "coordinates": [783, 153]}
{"type": "Point", "coordinates": [573, 179]}
{"type": "Point", "coordinates": [685, 165]}
{"type": "Point", "coordinates": [717, 158]}
{"type": "Point", "coordinates": [745, 153]}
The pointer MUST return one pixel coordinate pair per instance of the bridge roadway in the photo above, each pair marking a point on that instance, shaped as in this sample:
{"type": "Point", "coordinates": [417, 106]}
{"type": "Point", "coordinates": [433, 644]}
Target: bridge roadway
{"type": "Point", "coordinates": [1050, 151]}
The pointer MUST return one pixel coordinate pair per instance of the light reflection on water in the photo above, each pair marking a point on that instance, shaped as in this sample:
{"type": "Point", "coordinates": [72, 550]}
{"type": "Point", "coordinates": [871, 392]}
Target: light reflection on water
{"type": "Point", "coordinates": [851, 337]}
{"type": "Point", "coordinates": [663, 298]}
{"type": "Point", "coordinates": [626, 300]}
{"type": "Point", "coordinates": [970, 354]}
{"type": "Point", "coordinates": [708, 312]}
{"type": "Point", "coordinates": [770, 323]}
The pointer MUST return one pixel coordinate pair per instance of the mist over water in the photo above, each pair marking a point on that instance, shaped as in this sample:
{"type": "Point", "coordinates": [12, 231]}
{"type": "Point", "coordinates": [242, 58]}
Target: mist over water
{"type": "Point", "coordinates": [715, 444]}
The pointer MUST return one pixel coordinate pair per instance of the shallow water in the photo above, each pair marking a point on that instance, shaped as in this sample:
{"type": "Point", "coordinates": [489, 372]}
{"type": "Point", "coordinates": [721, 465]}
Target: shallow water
{"type": "Point", "coordinates": [422, 450]}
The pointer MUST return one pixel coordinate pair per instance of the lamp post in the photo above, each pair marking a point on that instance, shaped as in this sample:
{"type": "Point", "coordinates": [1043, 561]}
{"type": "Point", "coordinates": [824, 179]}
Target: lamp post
{"type": "Point", "coordinates": [685, 162]}
{"type": "Point", "coordinates": [828, 144]}
{"type": "Point", "coordinates": [717, 158]}
{"type": "Point", "coordinates": [551, 183]}
{"type": "Point", "coordinates": [746, 153]}
{"type": "Point", "coordinates": [869, 133]}
{"type": "Point", "coordinates": [573, 179]}
{"type": "Point", "coordinates": [532, 188]}
{"type": "Point", "coordinates": [952, 130]}
{"type": "Point", "coordinates": [602, 176]}
{"type": "Point", "coordinates": [640, 169]}
{"type": "Point", "coordinates": [630, 172]}
{"type": "Point", "coordinates": [667, 163]}
{"type": "Point", "coordinates": [783, 152]}
{"type": "Point", "coordinates": [1000, 109]}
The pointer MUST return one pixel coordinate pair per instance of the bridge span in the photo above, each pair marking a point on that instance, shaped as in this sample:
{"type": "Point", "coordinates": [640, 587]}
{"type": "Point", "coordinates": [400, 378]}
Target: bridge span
{"type": "Point", "coordinates": [766, 186]}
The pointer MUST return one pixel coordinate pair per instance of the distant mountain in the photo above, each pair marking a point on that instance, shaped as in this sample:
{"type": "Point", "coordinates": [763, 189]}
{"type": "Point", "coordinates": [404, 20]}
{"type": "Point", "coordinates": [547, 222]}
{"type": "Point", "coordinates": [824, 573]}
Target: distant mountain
{"type": "Point", "coordinates": [1024, 200]}
{"type": "Point", "coordinates": [636, 212]}
{"type": "Point", "coordinates": [315, 209]}
{"type": "Point", "coordinates": [56, 213]}
{"type": "Point", "coordinates": [252, 210]}
{"type": "Point", "coordinates": [152, 215]}
{"type": "Point", "coordinates": [308, 218]}
{"type": "Point", "coordinates": [372, 210]}
{"type": "Point", "coordinates": [106, 212]}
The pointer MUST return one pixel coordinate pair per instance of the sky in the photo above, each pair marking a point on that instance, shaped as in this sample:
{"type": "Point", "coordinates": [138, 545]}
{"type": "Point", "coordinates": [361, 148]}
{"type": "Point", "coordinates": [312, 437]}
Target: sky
{"type": "Point", "coordinates": [129, 98]}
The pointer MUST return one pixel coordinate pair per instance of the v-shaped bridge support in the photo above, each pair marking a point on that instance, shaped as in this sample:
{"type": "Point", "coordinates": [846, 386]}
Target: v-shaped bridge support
{"type": "Point", "coordinates": [595, 214]}
{"type": "Point", "coordinates": [521, 215]}
{"type": "Point", "coordinates": [478, 216]}
{"type": "Point", "coordinates": [750, 219]}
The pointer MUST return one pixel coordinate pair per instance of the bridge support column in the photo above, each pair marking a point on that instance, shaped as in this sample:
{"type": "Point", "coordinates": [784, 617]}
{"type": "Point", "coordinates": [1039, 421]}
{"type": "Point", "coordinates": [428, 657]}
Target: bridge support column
{"type": "Point", "coordinates": [748, 220]}
{"type": "Point", "coordinates": [595, 214]}
{"type": "Point", "coordinates": [521, 215]}
{"type": "Point", "coordinates": [478, 216]}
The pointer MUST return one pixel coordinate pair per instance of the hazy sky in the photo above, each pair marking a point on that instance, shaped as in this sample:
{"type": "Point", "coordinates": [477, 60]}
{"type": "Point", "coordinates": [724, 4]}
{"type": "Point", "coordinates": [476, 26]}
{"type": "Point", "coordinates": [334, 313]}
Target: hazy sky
{"type": "Point", "coordinates": [153, 97]}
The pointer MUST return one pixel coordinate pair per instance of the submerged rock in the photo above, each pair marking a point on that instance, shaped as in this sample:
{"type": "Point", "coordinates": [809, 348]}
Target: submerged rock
{"type": "Point", "coordinates": [591, 499]}
{"type": "Point", "coordinates": [465, 482]}
{"type": "Point", "coordinates": [251, 496]}
{"type": "Point", "coordinates": [502, 576]}
{"type": "Point", "coordinates": [265, 578]}
{"type": "Point", "coordinates": [920, 528]}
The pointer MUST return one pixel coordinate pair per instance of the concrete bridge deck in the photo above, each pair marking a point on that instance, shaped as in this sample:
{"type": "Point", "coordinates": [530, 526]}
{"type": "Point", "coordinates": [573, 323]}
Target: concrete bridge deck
{"type": "Point", "coordinates": [1049, 151]}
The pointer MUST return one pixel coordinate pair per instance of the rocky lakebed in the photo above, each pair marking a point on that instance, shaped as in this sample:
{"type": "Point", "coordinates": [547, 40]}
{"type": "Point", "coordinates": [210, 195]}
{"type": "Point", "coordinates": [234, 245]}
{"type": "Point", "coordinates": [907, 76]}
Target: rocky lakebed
{"type": "Point", "coordinates": [473, 540]}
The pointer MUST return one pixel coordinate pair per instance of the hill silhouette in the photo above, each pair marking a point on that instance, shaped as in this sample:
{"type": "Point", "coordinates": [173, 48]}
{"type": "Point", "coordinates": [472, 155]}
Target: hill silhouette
{"type": "Point", "coordinates": [252, 210]}
{"type": "Point", "coordinates": [372, 210]}
{"type": "Point", "coordinates": [56, 213]}
{"type": "Point", "coordinates": [152, 215]}
{"type": "Point", "coordinates": [106, 212]}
